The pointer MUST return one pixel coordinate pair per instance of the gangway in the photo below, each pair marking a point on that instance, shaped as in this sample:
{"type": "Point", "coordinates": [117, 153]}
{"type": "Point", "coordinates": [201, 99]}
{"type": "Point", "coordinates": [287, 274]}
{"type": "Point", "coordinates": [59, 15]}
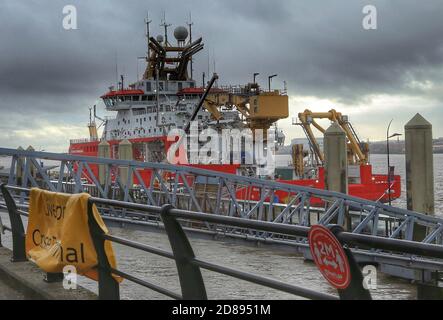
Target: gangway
{"type": "Point", "coordinates": [227, 195]}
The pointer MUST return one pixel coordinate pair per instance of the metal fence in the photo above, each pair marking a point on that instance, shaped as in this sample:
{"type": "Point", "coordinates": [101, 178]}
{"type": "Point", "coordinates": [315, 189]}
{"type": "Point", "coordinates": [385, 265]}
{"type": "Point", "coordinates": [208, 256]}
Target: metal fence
{"type": "Point", "coordinates": [189, 266]}
{"type": "Point", "coordinates": [227, 195]}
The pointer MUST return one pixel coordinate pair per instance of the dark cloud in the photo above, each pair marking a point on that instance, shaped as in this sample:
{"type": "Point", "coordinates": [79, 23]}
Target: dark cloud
{"type": "Point", "coordinates": [318, 47]}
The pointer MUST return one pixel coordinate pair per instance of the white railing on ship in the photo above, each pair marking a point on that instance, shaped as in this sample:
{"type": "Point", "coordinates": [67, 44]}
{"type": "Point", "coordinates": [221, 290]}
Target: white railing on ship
{"type": "Point", "coordinates": [84, 140]}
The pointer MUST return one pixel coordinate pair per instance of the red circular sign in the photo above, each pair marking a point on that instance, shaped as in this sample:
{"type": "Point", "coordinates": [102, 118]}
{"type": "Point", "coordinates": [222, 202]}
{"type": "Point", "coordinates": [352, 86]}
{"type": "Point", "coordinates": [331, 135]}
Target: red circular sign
{"type": "Point", "coordinates": [329, 256]}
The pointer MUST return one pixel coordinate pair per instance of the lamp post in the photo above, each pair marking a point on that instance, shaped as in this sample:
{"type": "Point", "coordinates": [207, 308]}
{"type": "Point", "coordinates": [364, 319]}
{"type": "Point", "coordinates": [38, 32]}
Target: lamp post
{"type": "Point", "coordinates": [255, 75]}
{"type": "Point", "coordinates": [269, 81]}
{"type": "Point", "coordinates": [388, 154]}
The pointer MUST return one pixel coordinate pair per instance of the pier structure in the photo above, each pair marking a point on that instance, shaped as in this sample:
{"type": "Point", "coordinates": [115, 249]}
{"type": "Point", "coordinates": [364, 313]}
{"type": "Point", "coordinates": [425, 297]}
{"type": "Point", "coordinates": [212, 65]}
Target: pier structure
{"type": "Point", "coordinates": [189, 265]}
{"type": "Point", "coordinates": [231, 196]}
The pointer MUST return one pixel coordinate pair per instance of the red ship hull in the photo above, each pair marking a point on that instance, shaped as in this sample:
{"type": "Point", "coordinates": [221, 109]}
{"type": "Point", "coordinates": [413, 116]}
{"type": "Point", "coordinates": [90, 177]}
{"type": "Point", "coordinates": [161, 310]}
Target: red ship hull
{"type": "Point", "coordinates": [371, 186]}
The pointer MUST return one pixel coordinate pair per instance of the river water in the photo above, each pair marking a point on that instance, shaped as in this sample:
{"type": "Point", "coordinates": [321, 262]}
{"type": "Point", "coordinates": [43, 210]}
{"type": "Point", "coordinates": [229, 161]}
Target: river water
{"type": "Point", "coordinates": [285, 265]}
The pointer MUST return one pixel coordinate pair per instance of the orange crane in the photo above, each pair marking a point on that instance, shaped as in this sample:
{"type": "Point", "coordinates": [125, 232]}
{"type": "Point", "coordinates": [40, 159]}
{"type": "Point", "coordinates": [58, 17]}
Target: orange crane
{"type": "Point", "coordinates": [358, 152]}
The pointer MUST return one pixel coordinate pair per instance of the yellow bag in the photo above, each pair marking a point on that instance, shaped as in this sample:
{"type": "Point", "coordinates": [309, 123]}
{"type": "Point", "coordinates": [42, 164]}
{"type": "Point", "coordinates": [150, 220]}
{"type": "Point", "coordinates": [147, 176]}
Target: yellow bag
{"type": "Point", "coordinates": [58, 233]}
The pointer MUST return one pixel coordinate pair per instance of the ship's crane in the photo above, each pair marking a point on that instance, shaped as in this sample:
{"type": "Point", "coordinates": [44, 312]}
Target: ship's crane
{"type": "Point", "coordinates": [259, 109]}
{"type": "Point", "coordinates": [358, 152]}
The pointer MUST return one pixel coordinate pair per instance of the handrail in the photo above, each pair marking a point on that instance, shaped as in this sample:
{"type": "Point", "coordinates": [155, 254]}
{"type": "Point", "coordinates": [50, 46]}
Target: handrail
{"type": "Point", "coordinates": [235, 195]}
{"type": "Point", "coordinates": [189, 266]}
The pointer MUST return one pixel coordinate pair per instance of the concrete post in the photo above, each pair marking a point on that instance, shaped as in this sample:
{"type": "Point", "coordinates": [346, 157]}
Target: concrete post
{"type": "Point", "coordinates": [419, 169]}
{"type": "Point", "coordinates": [19, 168]}
{"type": "Point", "coordinates": [125, 153]}
{"type": "Point", "coordinates": [336, 163]}
{"type": "Point", "coordinates": [420, 187]}
{"type": "Point", "coordinates": [32, 168]}
{"type": "Point", "coordinates": [419, 165]}
{"type": "Point", "coordinates": [104, 151]}
{"type": "Point", "coordinates": [336, 166]}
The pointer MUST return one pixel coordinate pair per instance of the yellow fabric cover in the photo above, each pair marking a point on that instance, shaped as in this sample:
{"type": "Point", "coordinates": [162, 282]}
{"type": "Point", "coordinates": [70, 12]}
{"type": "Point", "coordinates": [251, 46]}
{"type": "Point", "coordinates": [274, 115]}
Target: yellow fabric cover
{"type": "Point", "coordinates": [58, 233]}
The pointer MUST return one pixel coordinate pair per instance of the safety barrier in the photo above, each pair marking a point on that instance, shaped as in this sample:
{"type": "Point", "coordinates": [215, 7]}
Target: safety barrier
{"type": "Point", "coordinates": [189, 266]}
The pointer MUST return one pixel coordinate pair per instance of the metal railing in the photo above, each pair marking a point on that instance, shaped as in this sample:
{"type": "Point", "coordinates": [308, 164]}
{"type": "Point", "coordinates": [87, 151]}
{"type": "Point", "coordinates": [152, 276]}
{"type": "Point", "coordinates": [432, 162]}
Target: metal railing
{"type": "Point", "coordinates": [188, 265]}
{"type": "Point", "coordinates": [222, 193]}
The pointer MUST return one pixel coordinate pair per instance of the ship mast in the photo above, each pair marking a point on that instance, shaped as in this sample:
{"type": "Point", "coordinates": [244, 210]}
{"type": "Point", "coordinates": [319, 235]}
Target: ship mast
{"type": "Point", "coordinates": [165, 25]}
{"type": "Point", "coordinates": [190, 24]}
{"type": "Point", "coordinates": [147, 22]}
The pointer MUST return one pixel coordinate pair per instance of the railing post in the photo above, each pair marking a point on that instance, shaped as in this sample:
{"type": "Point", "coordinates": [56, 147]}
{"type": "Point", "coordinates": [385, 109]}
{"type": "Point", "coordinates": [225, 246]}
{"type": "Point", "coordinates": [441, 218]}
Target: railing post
{"type": "Point", "coordinates": [18, 232]}
{"type": "Point", "coordinates": [355, 290]}
{"type": "Point", "coordinates": [51, 277]}
{"type": "Point", "coordinates": [108, 287]}
{"type": "Point", "coordinates": [191, 280]}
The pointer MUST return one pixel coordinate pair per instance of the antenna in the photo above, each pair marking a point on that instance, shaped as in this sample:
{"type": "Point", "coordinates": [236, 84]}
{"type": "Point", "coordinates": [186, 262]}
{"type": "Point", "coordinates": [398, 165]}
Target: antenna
{"type": "Point", "coordinates": [190, 24]}
{"type": "Point", "coordinates": [147, 22]}
{"type": "Point", "coordinates": [165, 25]}
{"type": "Point", "coordinates": [208, 64]}
{"type": "Point", "coordinates": [116, 69]}
{"type": "Point", "coordinates": [213, 57]}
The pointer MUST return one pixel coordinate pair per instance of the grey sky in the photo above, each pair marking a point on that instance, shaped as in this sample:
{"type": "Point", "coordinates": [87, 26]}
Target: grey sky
{"type": "Point", "coordinates": [49, 76]}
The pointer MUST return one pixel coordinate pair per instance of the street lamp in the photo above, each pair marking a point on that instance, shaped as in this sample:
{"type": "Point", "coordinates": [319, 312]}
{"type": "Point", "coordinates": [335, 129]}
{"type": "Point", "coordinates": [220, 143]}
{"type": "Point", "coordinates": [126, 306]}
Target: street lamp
{"type": "Point", "coordinates": [269, 81]}
{"type": "Point", "coordinates": [255, 75]}
{"type": "Point", "coordinates": [388, 154]}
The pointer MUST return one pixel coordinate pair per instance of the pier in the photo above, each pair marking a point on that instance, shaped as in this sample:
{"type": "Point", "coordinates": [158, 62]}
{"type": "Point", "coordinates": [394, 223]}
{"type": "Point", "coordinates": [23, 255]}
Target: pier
{"type": "Point", "coordinates": [219, 205]}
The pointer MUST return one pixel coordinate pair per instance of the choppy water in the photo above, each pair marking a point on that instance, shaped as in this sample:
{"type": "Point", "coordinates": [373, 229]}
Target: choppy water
{"type": "Point", "coordinates": [379, 164]}
{"type": "Point", "coordinates": [284, 266]}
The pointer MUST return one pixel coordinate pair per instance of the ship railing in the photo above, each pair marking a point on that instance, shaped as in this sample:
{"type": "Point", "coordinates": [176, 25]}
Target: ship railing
{"type": "Point", "coordinates": [243, 89]}
{"type": "Point", "coordinates": [83, 140]}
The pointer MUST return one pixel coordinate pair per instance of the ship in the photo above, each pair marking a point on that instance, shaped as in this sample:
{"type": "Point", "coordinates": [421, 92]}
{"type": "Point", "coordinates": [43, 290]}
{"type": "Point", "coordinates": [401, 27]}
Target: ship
{"type": "Point", "coordinates": [167, 99]}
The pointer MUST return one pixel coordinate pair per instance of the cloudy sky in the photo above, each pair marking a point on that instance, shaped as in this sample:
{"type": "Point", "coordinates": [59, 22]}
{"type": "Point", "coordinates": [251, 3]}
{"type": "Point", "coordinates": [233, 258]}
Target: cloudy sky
{"type": "Point", "coordinates": [49, 76]}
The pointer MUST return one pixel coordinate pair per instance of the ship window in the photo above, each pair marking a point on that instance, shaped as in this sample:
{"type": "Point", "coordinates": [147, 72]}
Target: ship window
{"type": "Point", "coordinates": [128, 98]}
{"type": "Point", "coordinates": [144, 98]}
{"type": "Point", "coordinates": [135, 98]}
{"type": "Point", "coordinates": [144, 119]}
{"type": "Point", "coordinates": [148, 86]}
{"type": "Point", "coordinates": [118, 123]}
{"type": "Point", "coordinates": [191, 84]}
{"type": "Point", "coordinates": [149, 118]}
{"type": "Point", "coordinates": [180, 86]}
{"type": "Point", "coordinates": [160, 86]}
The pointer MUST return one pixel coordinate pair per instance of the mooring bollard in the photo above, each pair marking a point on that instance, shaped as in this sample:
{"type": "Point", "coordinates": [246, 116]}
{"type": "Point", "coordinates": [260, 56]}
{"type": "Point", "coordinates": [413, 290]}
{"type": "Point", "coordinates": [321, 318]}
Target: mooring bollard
{"type": "Point", "coordinates": [336, 165]}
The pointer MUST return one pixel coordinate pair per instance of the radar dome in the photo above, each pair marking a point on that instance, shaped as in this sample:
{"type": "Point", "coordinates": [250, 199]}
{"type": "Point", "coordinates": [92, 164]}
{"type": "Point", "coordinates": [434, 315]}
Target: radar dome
{"type": "Point", "coordinates": [181, 33]}
{"type": "Point", "coordinates": [160, 38]}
